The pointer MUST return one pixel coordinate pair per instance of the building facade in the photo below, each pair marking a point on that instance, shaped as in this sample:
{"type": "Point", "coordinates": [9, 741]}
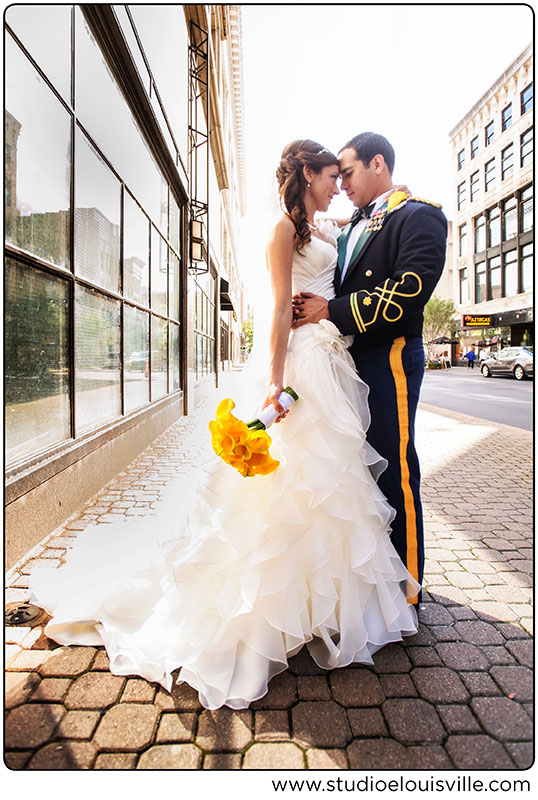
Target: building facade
{"type": "Point", "coordinates": [124, 189]}
{"type": "Point", "coordinates": [492, 149]}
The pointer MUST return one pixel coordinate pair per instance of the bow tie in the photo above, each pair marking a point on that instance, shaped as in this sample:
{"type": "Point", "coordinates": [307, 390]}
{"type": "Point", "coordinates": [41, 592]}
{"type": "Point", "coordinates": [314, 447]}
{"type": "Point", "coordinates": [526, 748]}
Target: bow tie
{"type": "Point", "coordinates": [361, 213]}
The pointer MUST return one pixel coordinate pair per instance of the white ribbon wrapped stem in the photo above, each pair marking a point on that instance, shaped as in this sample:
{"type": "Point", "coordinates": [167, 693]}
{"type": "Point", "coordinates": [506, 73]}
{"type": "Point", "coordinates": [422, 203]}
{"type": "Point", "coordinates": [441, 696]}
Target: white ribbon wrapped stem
{"type": "Point", "coordinates": [269, 414]}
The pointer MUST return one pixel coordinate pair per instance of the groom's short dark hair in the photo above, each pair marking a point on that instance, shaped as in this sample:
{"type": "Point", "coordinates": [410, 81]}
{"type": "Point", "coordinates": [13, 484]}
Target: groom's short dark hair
{"type": "Point", "coordinates": [367, 145]}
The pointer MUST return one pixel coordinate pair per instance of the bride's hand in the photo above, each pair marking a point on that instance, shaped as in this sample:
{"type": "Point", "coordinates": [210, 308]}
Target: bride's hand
{"type": "Point", "coordinates": [273, 393]}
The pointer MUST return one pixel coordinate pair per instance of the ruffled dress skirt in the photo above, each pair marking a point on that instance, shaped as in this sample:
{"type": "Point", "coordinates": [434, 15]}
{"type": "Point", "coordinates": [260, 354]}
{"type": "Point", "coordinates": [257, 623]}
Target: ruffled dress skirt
{"type": "Point", "coordinates": [226, 587]}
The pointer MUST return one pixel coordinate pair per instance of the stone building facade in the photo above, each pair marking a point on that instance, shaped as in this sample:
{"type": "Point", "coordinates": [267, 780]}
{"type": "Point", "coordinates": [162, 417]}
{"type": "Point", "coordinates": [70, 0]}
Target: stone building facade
{"type": "Point", "coordinates": [493, 235]}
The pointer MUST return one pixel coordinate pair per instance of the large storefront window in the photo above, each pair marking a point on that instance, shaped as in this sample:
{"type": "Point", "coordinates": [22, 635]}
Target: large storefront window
{"type": "Point", "coordinates": [119, 344]}
{"type": "Point", "coordinates": [97, 359]}
{"type": "Point", "coordinates": [36, 353]}
{"type": "Point", "coordinates": [45, 31]}
{"type": "Point", "coordinates": [204, 325]}
{"type": "Point", "coordinates": [163, 35]}
{"type": "Point", "coordinates": [97, 218]}
{"type": "Point", "coordinates": [103, 110]}
{"type": "Point", "coordinates": [159, 273]}
{"type": "Point", "coordinates": [173, 361]}
{"type": "Point", "coordinates": [135, 252]}
{"type": "Point", "coordinates": [159, 357]}
{"type": "Point", "coordinates": [136, 357]}
{"type": "Point", "coordinates": [37, 163]}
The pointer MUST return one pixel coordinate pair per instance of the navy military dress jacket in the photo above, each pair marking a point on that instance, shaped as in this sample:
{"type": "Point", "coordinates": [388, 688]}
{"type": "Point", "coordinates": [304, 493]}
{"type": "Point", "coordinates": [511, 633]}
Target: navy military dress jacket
{"type": "Point", "coordinates": [392, 275]}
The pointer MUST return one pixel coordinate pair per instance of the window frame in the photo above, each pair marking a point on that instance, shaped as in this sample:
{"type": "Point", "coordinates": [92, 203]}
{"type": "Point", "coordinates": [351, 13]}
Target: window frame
{"type": "Point", "coordinates": [463, 281]}
{"type": "Point", "coordinates": [523, 157]}
{"type": "Point", "coordinates": [480, 269]}
{"type": "Point", "coordinates": [474, 149]}
{"type": "Point", "coordinates": [527, 103]}
{"type": "Point", "coordinates": [463, 241]}
{"type": "Point", "coordinates": [507, 155]}
{"type": "Point", "coordinates": [489, 184]}
{"type": "Point", "coordinates": [173, 181]}
{"type": "Point", "coordinates": [481, 220]}
{"type": "Point", "coordinates": [474, 185]}
{"type": "Point", "coordinates": [493, 214]}
{"type": "Point", "coordinates": [462, 195]}
{"type": "Point", "coordinates": [506, 121]}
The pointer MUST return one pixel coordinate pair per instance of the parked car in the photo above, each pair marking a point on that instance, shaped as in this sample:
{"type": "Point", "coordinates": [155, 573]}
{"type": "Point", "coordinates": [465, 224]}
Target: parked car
{"type": "Point", "coordinates": [137, 361]}
{"type": "Point", "coordinates": [516, 361]}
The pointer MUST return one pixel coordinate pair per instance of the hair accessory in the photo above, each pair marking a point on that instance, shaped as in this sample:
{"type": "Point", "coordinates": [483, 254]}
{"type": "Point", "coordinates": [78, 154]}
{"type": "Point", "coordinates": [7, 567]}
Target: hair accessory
{"type": "Point", "coordinates": [324, 150]}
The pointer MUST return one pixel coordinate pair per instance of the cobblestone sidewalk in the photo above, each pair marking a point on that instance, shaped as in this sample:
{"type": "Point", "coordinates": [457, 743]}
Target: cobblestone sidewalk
{"type": "Point", "coordinates": [456, 695]}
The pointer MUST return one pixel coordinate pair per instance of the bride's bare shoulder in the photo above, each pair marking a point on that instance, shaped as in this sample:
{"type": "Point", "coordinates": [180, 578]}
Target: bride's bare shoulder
{"type": "Point", "coordinates": [283, 229]}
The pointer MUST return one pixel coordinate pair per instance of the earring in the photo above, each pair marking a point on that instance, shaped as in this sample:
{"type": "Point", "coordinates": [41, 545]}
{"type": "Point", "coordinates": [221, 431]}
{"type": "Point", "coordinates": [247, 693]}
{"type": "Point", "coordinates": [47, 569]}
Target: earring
{"type": "Point", "coordinates": [308, 185]}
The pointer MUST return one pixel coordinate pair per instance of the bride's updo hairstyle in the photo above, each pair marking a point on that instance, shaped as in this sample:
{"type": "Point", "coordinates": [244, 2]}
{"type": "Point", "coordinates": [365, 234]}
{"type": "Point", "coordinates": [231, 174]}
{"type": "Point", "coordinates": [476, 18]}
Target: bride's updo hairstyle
{"type": "Point", "coordinates": [292, 183]}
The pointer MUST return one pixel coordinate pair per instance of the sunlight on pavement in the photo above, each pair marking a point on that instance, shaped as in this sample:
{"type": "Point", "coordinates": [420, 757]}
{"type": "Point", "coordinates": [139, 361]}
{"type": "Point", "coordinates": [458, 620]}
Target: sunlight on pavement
{"type": "Point", "coordinates": [453, 438]}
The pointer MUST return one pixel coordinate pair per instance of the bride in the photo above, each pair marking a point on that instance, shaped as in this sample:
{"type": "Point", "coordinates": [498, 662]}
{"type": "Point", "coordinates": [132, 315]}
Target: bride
{"type": "Point", "coordinates": [257, 567]}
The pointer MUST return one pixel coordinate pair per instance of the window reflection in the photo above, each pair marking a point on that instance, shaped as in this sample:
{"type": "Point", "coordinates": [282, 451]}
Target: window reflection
{"type": "Point", "coordinates": [97, 359]}
{"type": "Point", "coordinates": [173, 267]}
{"type": "Point", "coordinates": [135, 252]}
{"type": "Point", "coordinates": [494, 268]}
{"type": "Point", "coordinates": [494, 226]}
{"type": "Point", "coordinates": [103, 110]}
{"type": "Point", "coordinates": [527, 209]}
{"type": "Point", "coordinates": [37, 162]}
{"type": "Point", "coordinates": [159, 272]}
{"type": "Point", "coordinates": [163, 33]}
{"type": "Point", "coordinates": [173, 367]}
{"type": "Point", "coordinates": [159, 357]}
{"type": "Point", "coordinates": [527, 267]}
{"type": "Point", "coordinates": [36, 361]}
{"type": "Point", "coordinates": [480, 282]}
{"type": "Point", "coordinates": [125, 22]}
{"type": "Point", "coordinates": [510, 273]}
{"type": "Point", "coordinates": [97, 218]}
{"type": "Point", "coordinates": [45, 31]}
{"type": "Point", "coordinates": [136, 357]}
{"type": "Point", "coordinates": [480, 233]}
{"type": "Point", "coordinates": [173, 228]}
{"type": "Point", "coordinates": [509, 218]}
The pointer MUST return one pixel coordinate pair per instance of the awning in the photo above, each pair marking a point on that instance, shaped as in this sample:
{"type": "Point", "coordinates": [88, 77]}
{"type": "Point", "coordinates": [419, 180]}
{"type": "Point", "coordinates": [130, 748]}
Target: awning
{"type": "Point", "coordinates": [444, 340]}
{"type": "Point", "coordinates": [225, 299]}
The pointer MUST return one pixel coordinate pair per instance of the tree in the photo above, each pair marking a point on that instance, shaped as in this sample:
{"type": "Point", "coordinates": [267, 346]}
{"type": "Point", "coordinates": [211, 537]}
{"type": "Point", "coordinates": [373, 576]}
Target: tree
{"type": "Point", "coordinates": [247, 332]}
{"type": "Point", "coordinates": [439, 320]}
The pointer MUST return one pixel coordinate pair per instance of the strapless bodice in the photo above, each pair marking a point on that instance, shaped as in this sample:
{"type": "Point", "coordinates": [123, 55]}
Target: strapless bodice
{"type": "Point", "coordinates": [313, 270]}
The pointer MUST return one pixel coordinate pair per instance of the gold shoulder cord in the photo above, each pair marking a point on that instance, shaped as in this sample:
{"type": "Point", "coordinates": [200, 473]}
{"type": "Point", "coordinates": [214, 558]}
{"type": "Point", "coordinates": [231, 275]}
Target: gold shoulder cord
{"type": "Point", "coordinates": [426, 202]}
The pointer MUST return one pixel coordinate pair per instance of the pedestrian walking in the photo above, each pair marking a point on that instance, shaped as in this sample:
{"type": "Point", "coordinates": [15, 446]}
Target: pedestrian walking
{"type": "Point", "coordinates": [471, 357]}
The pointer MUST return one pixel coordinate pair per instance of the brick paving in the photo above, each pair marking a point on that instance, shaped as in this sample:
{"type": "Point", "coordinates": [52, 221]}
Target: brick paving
{"type": "Point", "coordinates": [458, 695]}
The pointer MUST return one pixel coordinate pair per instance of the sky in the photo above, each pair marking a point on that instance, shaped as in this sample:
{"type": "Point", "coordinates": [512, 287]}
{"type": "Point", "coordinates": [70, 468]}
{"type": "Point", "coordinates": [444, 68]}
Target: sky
{"type": "Point", "coordinates": [329, 71]}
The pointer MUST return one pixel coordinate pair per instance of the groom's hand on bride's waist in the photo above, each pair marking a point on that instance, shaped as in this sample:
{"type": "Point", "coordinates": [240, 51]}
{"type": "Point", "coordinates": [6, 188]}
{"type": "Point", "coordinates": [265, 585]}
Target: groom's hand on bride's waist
{"type": "Point", "coordinates": [308, 307]}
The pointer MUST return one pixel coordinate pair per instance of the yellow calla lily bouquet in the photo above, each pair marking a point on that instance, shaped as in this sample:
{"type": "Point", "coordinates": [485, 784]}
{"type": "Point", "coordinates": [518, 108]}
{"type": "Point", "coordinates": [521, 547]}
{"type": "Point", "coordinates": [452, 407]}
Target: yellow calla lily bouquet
{"type": "Point", "coordinates": [245, 447]}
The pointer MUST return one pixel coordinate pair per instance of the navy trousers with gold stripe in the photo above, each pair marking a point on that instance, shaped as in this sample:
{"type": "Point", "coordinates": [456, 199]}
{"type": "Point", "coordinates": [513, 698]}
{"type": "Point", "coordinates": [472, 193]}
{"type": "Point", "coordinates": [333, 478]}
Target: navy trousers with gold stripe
{"type": "Point", "coordinates": [394, 373]}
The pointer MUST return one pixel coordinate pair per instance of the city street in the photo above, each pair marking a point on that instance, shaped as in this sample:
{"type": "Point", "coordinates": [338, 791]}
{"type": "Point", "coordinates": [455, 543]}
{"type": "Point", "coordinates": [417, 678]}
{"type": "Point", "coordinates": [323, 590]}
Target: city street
{"type": "Point", "coordinates": [497, 399]}
{"type": "Point", "coordinates": [457, 695]}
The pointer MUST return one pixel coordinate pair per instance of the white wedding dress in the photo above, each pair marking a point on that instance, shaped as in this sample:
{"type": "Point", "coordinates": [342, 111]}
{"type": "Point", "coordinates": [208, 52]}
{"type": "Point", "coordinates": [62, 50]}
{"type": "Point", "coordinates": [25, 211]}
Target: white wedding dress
{"type": "Point", "coordinates": [229, 588]}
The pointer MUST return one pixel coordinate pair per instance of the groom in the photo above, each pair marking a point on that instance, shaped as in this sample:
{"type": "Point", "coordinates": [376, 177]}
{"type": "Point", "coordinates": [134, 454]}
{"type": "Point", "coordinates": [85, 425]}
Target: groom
{"type": "Point", "coordinates": [390, 257]}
